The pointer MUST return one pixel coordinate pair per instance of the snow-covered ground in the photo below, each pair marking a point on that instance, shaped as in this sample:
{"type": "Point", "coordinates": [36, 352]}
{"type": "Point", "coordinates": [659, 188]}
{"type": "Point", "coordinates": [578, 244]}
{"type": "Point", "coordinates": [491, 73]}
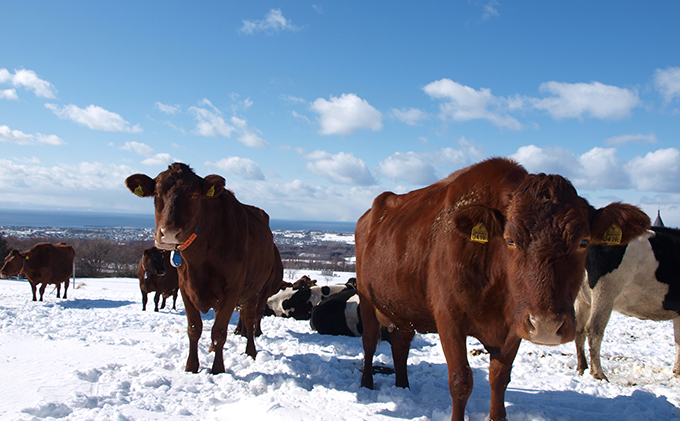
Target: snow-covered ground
{"type": "Point", "coordinates": [97, 356]}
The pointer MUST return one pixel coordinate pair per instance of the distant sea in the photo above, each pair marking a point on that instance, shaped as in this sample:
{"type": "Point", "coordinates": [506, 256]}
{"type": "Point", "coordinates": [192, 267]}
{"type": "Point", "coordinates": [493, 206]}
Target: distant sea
{"type": "Point", "coordinates": [68, 219]}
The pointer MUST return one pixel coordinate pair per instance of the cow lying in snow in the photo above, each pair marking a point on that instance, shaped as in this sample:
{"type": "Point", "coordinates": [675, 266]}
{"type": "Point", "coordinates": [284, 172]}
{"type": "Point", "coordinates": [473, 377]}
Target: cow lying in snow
{"type": "Point", "coordinates": [641, 279]}
{"type": "Point", "coordinates": [298, 303]}
{"type": "Point", "coordinates": [155, 273]}
{"type": "Point", "coordinates": [44, 264]}
{"type": "Point", "coordinates": [340, 314]}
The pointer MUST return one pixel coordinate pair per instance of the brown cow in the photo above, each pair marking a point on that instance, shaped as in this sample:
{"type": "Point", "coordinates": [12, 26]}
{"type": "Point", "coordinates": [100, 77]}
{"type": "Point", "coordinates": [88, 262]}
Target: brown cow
{"type": "Point", "coordinates": [491, 252]}
{"type": "Point", "coordinates": [224, 250]}
{"type": "Point", "coordinates": [44, 264]}
{"type": "Point", "coordinates": [155, 273]}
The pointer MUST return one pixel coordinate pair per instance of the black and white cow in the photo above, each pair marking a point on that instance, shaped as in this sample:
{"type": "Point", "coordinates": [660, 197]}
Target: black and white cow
{"type": "Point", "coordinates": [641, 279]}
{"type": "Point", "coordinates": [298, 303]}
{"type": "Point", "coordinates": [338, 315]}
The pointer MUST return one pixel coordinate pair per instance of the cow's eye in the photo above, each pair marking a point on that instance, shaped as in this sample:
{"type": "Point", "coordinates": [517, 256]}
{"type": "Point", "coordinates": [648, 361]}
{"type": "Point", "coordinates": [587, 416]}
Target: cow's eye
{"type": "Point", "coordinates": [511, 242]}
{"type": "Point", "coordinates": [584, 244]}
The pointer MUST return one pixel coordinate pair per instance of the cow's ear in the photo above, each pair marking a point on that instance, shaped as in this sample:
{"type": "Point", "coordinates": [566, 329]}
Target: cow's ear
{"type": "Point", "coordinates": [617, 224]}
{"type": "Point", "coordinates": [479, 223]}
{"type": "Point", "coordinates": [142, 185]}
{"type": "Point", "coordinates": [213, 185]}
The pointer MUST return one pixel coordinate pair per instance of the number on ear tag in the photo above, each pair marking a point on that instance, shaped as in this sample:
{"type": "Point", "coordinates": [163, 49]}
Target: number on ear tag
{"type": "Point", "coordinates": [211, 191]}
{"type": "Point", "coordinates": [479, 234]}
{"type": "Point", "coordinates": [613, 235]}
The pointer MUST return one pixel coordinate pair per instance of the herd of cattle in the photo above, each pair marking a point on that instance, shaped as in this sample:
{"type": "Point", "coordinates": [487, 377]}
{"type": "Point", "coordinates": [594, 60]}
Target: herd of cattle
{"type": "Point", "coordinates": [490, 251]}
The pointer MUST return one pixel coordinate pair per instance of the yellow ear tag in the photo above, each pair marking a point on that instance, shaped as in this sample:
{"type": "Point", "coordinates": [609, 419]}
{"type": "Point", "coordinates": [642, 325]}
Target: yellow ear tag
{"type": "Point", "coordinates": [139, 191]}
{"type": "Point", "coordinates": [613, 235]}
{"type": "Point", "coordinates": [479, 234]}
{"type": "Point", "coordinates": [211, 191]}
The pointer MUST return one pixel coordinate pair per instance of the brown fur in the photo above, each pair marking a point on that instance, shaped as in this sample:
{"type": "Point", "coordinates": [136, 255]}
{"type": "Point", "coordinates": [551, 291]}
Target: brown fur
{"type": "Point", "coordinates": [417, 265]}
{"type": "Point", "coordinates": [232, 262]}
{"type": "Point", "coordinates": [44, 264]}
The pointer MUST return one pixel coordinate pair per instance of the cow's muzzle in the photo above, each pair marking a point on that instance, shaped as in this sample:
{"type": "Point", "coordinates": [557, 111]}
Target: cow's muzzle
{"type": "Point", "coordinates": [549, 329]}
{"type": "Point", "coordinates": [167, 239]}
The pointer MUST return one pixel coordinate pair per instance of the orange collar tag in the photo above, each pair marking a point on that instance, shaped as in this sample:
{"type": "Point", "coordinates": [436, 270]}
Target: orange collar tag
{"type": "Point", "coordinates": [479, 234]}
{"type": "Point", "coordinates": [613, 235]}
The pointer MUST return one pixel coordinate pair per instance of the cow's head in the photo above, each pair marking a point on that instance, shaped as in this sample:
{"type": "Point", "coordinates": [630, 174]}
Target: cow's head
{"type": "Point", "coordinates": [178, 193]}
{"type": "Point", "coordinates": [545, 231]}
{"type": "Point", "coordinates": [153, 261]}
{"type": "Point", "coordinates": [14, 262]}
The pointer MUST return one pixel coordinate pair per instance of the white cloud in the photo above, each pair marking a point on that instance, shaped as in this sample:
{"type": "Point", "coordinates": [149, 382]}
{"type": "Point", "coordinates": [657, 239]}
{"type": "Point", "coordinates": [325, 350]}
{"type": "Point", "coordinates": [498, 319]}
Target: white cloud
{"type": "Point", "coordinates": [274, 21]}
{"type": "Point", "coordinates": [410, 167]}
{"type": "Point", "coordinates": [167, 109]}
{"type": "Point", "coordinates": [341, 168]}
{"type": "Point", "coordinates": [630, 138]}
{"type": "Point", "coordinates": [20, 138]}
{"type": "Point", "coordinates": [28, 80]}
{"type": "Point", "coordinates": [94, 117]}
{"type": "Point", "coordinates": [9, 94]}
{"type": "Point", "coordinates": [210, 123]}
{"type": "Point", "coordinates": [243, 167]}
{"type": "Point", "coordinates": [346, 114]}
{"type": "Point", "coordinates": [491, 9]}
{"type": "Point", "coordinates": [464, 103]}
{"type": "Point", "coordinates": [576, 100]}
{"type": "Point", "coordinates": [427, 167]}
{"type": "Point", "coordinates": [162, 159]}
{"type": "Point", "coordinates": [249, 136]}
{"type": "Point", "coordinates": [599, 168]}
{"type": "Point", "coordinates": [656, 171]}
{"type": "Point", "coordinates": [667, 82]}
{"type": "Point", "coordinates": [138, 148]}
{"type": "Point", "coordinates": [410, 116]}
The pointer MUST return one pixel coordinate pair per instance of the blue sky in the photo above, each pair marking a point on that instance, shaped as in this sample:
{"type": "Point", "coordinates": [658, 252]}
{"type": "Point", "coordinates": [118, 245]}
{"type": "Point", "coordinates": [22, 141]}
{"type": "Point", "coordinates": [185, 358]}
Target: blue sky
{"type": "Point", "coordinates": [310, 110]}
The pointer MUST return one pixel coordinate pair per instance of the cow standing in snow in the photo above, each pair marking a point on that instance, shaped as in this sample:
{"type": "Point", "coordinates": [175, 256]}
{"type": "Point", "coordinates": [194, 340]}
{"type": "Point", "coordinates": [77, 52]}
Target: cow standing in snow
{"type": "Point", "coordinates": [641, 279]}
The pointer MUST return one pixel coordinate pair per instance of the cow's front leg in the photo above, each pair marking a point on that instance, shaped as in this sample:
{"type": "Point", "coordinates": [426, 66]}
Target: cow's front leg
{"type": "Point", "coordinates": [32, 289]}
{"type": "Point", "coordinates": [42, 290]}
{"type": "Point", "coordinates": [460, 374]}
{"type": "Point", "coordinates": [599, 317]}
{"type": "Point", "coordinates": [247, 317]}
{"type": "Point", "coordinates": [582, 308]}
{"type": "Point", "coordinates": [219, 331]}
{"type": "Point", "coordinates": [194, 330]}
{"type": "Point", "coordinates": [66, 284]}
{"type": "Point", "coordinates": [500, 367]}
{"type": "Point", "coordinates": [58, 285]}
{"type": "Point", "coordinates": [400, 340]}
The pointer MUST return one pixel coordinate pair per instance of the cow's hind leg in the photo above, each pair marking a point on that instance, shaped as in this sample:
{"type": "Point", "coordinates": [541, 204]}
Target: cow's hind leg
{"type": "Point", "coordinates": [599, 317]}
{"type": "Point", "coordinates": [219, 332]}
{"type": "Point", "coordinates": [32, 289]}
{"type": "Point", "coordinates": [156, 298]}
{"type": "Point", "coordinates": [194, 330]}
{"type": "Point", "coordinates": [58, 285]}
{"type": "Point", "coordinates": [66, 284]}
{"type": "Point", "coordinates": [145, 299]}
{"type": "Point", "coordinates": [500, 367]}
{"type": "Point", "coordinates": [369, 339]}
{"type": "Point", "coordinates": [42, 290]}
{"type": "Point", "coordinates": [676, 331]}
{"type": "Point", "coordinates": [247, 319]}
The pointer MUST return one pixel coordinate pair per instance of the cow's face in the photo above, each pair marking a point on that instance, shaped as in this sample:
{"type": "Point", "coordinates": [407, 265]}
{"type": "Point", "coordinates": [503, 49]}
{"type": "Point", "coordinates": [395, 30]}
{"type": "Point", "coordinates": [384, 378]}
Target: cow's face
{"type": "Point", "coordinates": [153, 261]}
{"type": "Point", "coordinates": [541, 239]}
{"type": "Point", "coordinates": [13, 264]}
{"type": "Point", "coordinates": [178, 193]}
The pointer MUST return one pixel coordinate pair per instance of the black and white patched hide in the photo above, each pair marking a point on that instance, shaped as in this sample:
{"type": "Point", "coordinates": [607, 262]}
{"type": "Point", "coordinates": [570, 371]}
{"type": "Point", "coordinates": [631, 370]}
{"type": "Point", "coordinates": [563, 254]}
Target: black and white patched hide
{"type": "Point", "coordinates": [338, 315]}
{"type": "Point", "coordinates": [298, 303]}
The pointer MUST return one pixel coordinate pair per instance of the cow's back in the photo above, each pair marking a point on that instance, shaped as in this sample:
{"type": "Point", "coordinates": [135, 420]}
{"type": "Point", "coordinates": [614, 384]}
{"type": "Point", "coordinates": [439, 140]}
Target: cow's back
{"type": "Point", "coordinates": [409, 253]}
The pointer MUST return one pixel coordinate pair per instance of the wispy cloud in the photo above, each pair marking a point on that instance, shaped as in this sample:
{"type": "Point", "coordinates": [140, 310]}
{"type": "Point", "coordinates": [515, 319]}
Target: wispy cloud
{"type": "Point", "coordinates": [667, 82]}
{"type": "Point", "coordinates": [242, 167]}
{"type": "Point", "coordinates": [138, 148]}
{"type": "Point", "coordinates": [210, 122]}
{"type": "Point", "coordinates": [410, 116]}
{"type": "Point", "coordinates": [167, 109]}
{"type": "Point", "coordinates": [28, 80]}
{"type": "Point", "coordinates": [273, 22]}
{"type": "Point", "coordinates": [94, 117]}
{"type": "Point", "coordinates": [20, 138]}
{"type": "Point", "coordinates": [341, 168]}
{"type": "Point", "coordinates": [630, 138]}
